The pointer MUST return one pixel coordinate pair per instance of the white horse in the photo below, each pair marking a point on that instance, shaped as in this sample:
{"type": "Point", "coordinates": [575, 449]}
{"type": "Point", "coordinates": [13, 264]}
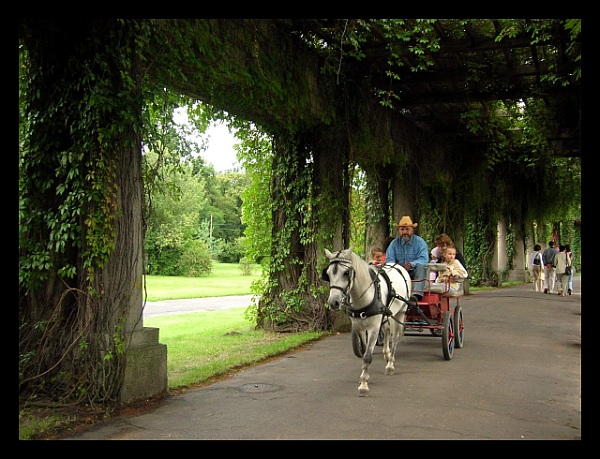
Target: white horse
{"type": "Point", "coordinates": [374, 298]}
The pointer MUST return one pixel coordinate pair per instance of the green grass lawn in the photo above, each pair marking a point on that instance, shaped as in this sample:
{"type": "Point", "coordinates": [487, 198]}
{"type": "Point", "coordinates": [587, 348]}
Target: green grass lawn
{"type": "Point", "coordinates": [205, 346]}
{"type": "Point", "coordinates": [226, 279]}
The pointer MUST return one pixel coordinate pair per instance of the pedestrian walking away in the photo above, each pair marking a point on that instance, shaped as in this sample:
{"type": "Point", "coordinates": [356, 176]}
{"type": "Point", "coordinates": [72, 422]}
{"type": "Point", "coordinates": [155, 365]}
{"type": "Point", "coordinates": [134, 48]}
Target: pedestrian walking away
{"type": "Point", "coordinates": [570, 259]}
{"type": "Point", "coordinates": [549, 267]}
{"type": "Point", "coordinates": [562, 263]}
{"type": "Point", "coordinates": [536, 269]}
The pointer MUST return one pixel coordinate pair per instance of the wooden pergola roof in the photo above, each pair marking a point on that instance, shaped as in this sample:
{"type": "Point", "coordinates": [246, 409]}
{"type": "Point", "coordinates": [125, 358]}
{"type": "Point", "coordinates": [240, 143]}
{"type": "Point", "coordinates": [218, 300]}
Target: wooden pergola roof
{"type": "Point", "coordinates": [471, 69]}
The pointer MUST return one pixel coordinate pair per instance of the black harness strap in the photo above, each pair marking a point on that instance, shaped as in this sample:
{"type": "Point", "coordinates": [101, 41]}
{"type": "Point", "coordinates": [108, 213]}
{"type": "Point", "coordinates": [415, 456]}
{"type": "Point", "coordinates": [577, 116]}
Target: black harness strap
{"type": "Point", "coordinates": [391, 292]}
{"type": "Point", "coordinates": [376, 306]}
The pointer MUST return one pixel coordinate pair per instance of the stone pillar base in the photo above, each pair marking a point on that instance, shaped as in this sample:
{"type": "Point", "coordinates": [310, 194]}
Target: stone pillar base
{"type": "Point", "coordinates": [517, 275]}
{"type": "Point", "coordinates": [145, 367]}
{"type": "Point", "coordinates": [466, 286]}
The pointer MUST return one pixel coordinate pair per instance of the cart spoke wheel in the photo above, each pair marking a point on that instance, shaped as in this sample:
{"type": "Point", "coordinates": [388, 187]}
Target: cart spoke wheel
{"type": "Point", "coordinates": [459, 328]}
{"type": "Point", "coordinates": [448, 336]}
{"type": "Point", "coordinates": [357, 344]}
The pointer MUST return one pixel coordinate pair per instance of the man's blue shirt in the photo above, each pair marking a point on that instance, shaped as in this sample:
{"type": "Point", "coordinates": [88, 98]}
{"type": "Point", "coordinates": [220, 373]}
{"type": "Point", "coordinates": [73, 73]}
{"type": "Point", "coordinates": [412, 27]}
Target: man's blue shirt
{"type": "Point", "coordinates": [414, 252]}
{"type": "Point", "coordinates": [548, 255]}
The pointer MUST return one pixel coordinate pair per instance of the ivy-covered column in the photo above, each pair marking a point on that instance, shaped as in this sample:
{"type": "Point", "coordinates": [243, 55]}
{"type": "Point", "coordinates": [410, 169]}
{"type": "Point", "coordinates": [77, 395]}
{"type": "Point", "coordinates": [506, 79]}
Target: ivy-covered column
{"type": "Point", "coordinates": [500, 257]}
{"type": "Point", "coordinates": [80, 241]}
{"type": "Point", "coordinates": [518, 270]}
{"type": "Point", "coordinates": [378, 213]}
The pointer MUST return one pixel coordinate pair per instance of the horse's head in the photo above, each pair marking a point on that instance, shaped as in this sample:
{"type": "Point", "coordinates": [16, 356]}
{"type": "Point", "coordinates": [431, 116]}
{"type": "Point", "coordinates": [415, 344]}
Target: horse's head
{"type": "Point", "coordinates": [340, 275]}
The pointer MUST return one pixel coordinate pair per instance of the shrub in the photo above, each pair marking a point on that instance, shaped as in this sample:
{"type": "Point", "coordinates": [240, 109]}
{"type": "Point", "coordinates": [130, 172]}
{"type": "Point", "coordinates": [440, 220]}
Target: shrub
{"type": "Point", "coordinates": [246, 267]}
{"type": "Point", "coordinates": [195, 260]}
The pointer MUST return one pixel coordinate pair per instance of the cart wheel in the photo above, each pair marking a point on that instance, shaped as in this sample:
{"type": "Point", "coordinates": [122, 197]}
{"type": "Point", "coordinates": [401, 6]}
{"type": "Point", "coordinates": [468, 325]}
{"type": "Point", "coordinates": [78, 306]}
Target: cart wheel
{"type": "Point", "coordinates": [380, 338]}
{"type": "Point", "coordinates": [357, 345]}
{"type": "Point", "coordinates": [448, 336]}
{"type": "Point", "coordinates": [459, 328]}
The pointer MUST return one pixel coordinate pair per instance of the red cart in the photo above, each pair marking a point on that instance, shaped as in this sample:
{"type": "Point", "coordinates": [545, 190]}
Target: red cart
{"type": "Point", "coordinates": [439, 312]}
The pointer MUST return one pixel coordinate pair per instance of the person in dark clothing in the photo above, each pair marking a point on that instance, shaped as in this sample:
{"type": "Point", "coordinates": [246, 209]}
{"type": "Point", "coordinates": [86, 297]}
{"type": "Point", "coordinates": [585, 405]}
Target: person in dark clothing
{"type": "Point", "coordinates": [386, 243]}
{"type": "Point", "coordinates": [549, 267]}
{"type": "Point", "coordinates": [570, 256]}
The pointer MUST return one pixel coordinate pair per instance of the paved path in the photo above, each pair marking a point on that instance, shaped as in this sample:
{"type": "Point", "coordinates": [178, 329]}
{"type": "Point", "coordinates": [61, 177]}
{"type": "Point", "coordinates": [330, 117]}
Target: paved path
{"type": "Point", "coordinates": [161, 308]}
{"type": "Point", "coordinates": [518, 377]}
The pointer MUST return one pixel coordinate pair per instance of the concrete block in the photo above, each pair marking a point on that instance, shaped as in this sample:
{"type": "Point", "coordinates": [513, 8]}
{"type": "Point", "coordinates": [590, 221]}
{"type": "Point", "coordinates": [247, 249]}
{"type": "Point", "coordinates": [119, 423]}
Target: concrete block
{"type": "Point", "coordinates": [145, 367]}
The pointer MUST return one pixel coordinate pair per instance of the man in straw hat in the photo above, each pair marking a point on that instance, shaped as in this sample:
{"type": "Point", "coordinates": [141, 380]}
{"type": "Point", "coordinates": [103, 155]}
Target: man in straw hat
{"type": "Point", "coordinates": [410, 251]}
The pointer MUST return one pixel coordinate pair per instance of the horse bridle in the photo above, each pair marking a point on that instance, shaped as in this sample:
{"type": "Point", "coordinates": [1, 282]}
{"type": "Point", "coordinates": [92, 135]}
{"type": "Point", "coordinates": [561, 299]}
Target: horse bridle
{"type": "Point", "coordinates": [377, 306]}
{"type": "Point", "coordinates": [351, 273]}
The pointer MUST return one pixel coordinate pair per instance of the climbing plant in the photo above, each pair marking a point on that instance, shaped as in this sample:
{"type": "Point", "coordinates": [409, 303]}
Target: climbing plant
{"type": "Point", "coordinates": [74, 137]}
{"type": "Point", "coordinates": [92, 95]}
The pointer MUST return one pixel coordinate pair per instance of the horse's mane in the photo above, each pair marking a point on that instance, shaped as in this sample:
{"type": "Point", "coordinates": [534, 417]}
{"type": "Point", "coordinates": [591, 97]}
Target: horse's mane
{"type": "Point", "coordinates": [361, 269]}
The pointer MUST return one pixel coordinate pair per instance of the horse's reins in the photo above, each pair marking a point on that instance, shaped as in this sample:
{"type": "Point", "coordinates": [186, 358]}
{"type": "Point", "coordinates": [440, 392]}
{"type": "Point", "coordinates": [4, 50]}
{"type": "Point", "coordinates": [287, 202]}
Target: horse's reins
{"type": "Point", "coordinates": [376, 306]}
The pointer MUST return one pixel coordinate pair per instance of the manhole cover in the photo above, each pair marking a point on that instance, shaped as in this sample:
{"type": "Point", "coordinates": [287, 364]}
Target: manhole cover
{"type": "Point", "coordinates": [254, 388]}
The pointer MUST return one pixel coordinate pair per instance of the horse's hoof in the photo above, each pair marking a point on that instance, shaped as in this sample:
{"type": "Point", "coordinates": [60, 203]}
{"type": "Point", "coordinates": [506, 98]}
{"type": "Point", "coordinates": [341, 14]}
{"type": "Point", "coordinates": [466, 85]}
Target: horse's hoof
{"type": "Point", "coordinates": [390, 371]}
{"type": "Point", "coordinates": [363, 389]}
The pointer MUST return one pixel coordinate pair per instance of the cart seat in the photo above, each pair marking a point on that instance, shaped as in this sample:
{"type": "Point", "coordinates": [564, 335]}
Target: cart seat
{"type": "Point", "coordinates": [437, 288]}
{"type": "Point", "coordinates": [453, 293]}
{"type": "Point", "coordinates": [432, 286]}
{"type": "Point", "coordinates": [437, 266]}
{"type": "Point", "coordinates": [459, 292]}
{"type": "Point", "coordinates": [442, 288]}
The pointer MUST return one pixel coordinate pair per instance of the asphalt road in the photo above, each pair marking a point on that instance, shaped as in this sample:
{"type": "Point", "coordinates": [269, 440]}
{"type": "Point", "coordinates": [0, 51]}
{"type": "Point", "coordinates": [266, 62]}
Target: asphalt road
{"type": "Point", "coordinates": [518, 377]}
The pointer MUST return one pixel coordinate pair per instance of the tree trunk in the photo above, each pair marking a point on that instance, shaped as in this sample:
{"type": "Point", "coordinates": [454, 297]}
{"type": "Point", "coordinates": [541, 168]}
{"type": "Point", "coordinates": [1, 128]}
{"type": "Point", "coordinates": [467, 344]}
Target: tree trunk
{"type": "Point", "coordinates": [74, 329]}
{"type": "Point", "coordinates": [295, 298]}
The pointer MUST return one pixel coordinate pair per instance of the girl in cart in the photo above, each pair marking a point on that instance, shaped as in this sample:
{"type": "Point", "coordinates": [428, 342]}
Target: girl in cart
{"type": "Point", "coordinates": [454, 269]}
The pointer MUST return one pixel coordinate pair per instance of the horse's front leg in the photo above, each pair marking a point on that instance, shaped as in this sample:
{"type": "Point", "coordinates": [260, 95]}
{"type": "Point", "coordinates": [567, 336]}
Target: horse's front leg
{"type": "Point", "coordinates": [389, 350]}
{"type": "Point", "coordinates": [363, 387]}
{"type": "Point", "coordinates": [388, 347]}
{"type": "Point", "coordinates": [386, 341]}
{"type": "Point", "coordinates": [397, 332]}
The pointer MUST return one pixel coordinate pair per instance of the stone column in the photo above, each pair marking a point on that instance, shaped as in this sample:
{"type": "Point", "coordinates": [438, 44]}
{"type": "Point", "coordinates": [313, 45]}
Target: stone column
{"type": "Point", "coordinates": [499, 259]}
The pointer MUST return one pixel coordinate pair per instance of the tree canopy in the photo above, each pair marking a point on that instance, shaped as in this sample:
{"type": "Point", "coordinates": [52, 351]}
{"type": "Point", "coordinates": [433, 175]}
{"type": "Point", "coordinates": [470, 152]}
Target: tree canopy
{"type": "Point", "coordinates": [457, 122]}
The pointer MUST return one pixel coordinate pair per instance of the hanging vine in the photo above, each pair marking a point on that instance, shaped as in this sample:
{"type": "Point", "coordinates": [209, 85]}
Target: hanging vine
{"type": "Point", "coordinates": [71, 348]}
{"type": "Point", "coordinates": [83, 89]}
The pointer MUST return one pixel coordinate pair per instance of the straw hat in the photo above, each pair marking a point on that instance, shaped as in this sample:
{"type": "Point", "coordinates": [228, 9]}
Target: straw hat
{"type": "Point", "coordinates": [407, 221]}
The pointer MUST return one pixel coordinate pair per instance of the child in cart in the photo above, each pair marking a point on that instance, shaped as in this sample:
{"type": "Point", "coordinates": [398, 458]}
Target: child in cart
{"type": "Point", "coordinates": [455, 269]}
{"type": "Point", "coordinates": [377, 256]}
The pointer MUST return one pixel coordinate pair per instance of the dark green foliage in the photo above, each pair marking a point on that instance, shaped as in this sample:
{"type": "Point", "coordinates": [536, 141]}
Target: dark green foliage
{"type": "Point", "coordinates": [164, 262]}
{"type": "Point", "coordinates": [229, 252]}
{"type": "Point", "coordinates": [329, 93]}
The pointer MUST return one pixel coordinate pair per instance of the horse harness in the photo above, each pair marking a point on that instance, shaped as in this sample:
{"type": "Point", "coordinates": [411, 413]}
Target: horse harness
{"type": "Point", "coordinates": [377, 305]}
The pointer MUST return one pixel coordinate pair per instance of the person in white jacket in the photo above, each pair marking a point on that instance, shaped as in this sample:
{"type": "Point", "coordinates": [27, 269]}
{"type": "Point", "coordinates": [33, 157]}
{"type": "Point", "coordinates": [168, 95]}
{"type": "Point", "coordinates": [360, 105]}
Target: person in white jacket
{"type": "Point", "coordinates": [454, 269]}
{"type": "Point", "coordinates": [561, 262]}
